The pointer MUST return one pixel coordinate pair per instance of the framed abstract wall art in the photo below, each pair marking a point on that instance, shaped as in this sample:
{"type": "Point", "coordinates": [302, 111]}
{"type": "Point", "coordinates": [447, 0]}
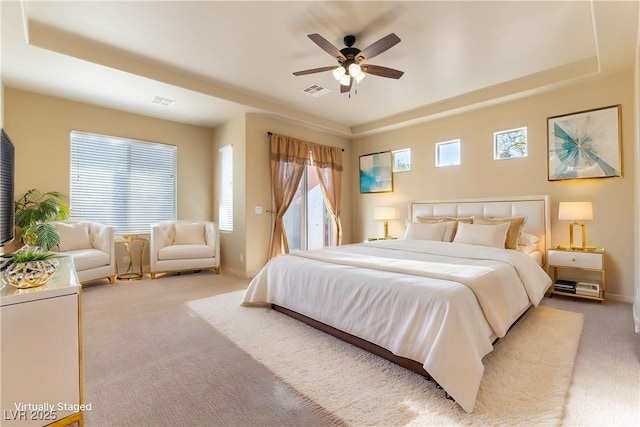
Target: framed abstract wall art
{"type": "Point", "coordinates": [586, 144]}
{"type": "Point", "coordinates": [376, 172]}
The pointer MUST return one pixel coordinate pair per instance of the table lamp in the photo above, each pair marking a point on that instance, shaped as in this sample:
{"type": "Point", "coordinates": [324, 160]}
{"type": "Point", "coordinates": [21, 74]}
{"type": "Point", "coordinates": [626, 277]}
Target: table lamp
{"type": "Point", "coordinates": [385, 214]}
{"type": "Point", "coordinates": [576, 212]}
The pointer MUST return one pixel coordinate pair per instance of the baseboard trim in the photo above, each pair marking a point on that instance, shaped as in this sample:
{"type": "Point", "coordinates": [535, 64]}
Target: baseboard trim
{"type": "Point", "coordinates": [619, 298]}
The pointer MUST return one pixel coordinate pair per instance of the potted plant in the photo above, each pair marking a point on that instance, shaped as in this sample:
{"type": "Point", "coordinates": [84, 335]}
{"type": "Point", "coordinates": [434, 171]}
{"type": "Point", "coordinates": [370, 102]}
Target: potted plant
{"type": "Point", "coordinates": [29, 267]}
{"type": "Point", "coordinates": [34, 212]}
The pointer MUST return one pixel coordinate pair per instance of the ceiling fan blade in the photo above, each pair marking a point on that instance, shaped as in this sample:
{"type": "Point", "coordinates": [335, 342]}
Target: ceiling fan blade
{"type": "Point", "coordinates": [327, 46]}
{"type": "Point", "coordinates": [344, 89]}
{"type": "Point", "coordinates": [314, 70]}
{"type": "Point", "coordinates": [377, 70]}
{"type": "Point", "coordinates": [380, 46]}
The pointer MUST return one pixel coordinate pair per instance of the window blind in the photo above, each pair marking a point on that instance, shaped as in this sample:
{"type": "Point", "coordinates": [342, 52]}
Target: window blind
{"type": "Point", "coordinates": [225, 213]}
{"type": "Point", "coordinates": [125, 183]}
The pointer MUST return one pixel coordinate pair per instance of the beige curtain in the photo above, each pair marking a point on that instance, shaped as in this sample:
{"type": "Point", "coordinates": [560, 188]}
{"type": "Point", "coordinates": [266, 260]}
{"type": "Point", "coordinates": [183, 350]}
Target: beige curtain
{"type": "Point", "coordinates": [289, 156]}
{"type": "Point", "coordinates": [328, 165]}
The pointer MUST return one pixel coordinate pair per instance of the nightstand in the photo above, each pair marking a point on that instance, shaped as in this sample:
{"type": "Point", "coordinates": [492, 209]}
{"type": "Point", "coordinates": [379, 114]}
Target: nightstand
{"type": "Point", "coordinates": [576, 263]}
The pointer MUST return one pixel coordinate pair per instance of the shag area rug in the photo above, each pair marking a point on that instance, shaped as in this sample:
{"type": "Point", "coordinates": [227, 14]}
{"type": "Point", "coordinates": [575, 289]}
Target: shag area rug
{"type": "Point", "coordinates": [525, 382]}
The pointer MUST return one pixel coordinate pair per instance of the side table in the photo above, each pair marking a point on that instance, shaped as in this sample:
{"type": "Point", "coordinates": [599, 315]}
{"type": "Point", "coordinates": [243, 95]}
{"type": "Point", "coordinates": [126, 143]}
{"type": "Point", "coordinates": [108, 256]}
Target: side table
{"type": "Point", "coordinates": [135, 248]}
{"type": "Point", "coordinates": [580, 261]}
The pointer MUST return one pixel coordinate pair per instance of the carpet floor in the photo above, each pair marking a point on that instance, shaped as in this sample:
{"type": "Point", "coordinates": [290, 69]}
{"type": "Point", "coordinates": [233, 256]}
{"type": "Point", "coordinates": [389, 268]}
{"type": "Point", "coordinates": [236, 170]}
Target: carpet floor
{"type": "Point", "coordinates": [526, 379]}
{"type": "Point", "coordinates": [149, 361]}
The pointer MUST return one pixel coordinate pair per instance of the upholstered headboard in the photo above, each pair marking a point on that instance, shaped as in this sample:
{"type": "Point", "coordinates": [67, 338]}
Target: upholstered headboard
{"type": "Point", "coordinates": [535, 208]}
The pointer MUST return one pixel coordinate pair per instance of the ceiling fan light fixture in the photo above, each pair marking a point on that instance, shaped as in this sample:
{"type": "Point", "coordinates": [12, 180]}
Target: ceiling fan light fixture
{"type": "Point", "coordinates": [339, 72]}
{"type": "Point", "coordinates": [354, 70]}
{"type": "Point", "coordinates": [345, 80]}
{"type": "Point", "coordinates": [359, 77]}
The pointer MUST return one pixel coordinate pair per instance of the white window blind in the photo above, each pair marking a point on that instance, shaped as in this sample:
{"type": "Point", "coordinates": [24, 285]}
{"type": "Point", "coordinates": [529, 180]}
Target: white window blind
{"type": "Point", "coordinates": [122, 182]}
{"type": "Point", "coordinates": [226, 188]}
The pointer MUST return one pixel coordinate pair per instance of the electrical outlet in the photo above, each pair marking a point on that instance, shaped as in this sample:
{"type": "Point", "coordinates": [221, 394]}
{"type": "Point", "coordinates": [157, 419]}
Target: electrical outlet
{"type": "Point", "coordinates": [241, 257]}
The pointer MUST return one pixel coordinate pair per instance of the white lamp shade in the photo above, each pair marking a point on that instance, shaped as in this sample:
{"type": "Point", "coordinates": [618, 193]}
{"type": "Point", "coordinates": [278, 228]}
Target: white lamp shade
{"type": "Point", "coordinates": [345, 80]}
{"type": "Point", "coordinates": [354, 70]}
{"type": "Point", "coordinates": [385, 213]}
{"type": "Point", "coordinates": [359, 77]}
{"type": "Point", "coordinates": [575, 211]}
{"type": "Point", "coordinates": [338, 73]}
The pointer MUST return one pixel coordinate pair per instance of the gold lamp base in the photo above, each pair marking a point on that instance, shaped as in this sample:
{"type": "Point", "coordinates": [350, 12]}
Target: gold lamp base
{"type": "Point", "coordinates": [584, 246]}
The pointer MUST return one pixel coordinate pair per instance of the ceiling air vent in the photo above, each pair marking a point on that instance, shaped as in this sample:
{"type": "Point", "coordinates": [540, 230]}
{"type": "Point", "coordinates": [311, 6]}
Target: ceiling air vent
{"type": "Point", "coordinates": [162, 101]}
{"type": "Point", "coordinates": [316, 90]}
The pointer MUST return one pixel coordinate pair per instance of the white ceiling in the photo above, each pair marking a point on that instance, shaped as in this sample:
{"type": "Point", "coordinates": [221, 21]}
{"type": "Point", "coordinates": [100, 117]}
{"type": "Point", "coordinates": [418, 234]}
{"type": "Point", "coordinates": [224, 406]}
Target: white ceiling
{"type": "Point", "coordinates": [217, 59]}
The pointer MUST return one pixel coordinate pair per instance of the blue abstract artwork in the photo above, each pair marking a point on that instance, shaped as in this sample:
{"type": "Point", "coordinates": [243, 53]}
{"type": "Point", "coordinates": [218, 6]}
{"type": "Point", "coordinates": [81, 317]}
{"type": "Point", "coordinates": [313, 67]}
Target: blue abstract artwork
{"type": "Point", "coordinates": [585, 144]}
{"type": "Point", "coordinates": [376, 173]}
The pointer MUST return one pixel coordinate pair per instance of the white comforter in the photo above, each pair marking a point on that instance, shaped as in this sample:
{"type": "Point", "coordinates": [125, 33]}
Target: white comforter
{"type": "Point", "coordinates": [438, 303]}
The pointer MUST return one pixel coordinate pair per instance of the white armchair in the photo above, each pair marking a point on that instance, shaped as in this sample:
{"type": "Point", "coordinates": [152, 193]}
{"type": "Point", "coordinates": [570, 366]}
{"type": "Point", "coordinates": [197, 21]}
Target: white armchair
{"type": "Point", "coordinates": [91, 246]}
{"type": "Point", "coordinates": [183, 246]}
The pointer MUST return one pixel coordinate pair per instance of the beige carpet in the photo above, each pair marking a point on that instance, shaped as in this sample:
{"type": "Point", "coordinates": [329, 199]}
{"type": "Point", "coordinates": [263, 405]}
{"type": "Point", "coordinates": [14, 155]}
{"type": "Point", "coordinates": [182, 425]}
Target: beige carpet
{"type": "Point", "coordinates": [526, 377]}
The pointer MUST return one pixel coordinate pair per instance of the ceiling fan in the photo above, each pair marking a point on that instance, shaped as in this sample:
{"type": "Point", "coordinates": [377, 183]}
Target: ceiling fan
{"type": "Point", "coordinates": [352, 61]}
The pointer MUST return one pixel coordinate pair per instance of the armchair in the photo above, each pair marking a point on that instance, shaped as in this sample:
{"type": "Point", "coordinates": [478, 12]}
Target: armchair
{"type": "Point", "coordinates": [91, 247]}
{"type": "Point", "coordinates": [184, 245]}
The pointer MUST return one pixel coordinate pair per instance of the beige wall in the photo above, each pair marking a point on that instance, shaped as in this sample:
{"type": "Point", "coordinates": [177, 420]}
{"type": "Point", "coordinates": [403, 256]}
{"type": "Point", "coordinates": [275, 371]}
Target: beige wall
{"type": "Point", "coordinates": [479, 175]}
{"type": "Point", "coordinates": [233, 244]}
{"type": "Point", "coordinates": [39, 127]}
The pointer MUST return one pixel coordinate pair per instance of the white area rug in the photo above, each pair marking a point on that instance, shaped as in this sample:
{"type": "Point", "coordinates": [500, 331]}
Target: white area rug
{"type": "Point", "coordinates": [526, 377]}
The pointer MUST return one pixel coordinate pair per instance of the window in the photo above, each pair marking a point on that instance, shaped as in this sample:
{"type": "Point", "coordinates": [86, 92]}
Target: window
{"type": "Point", "coordinates": [122, 182]}
{"type": "Point", "coordinates": [225, 211]}
{"type": "Point", "coordinates": [308, 222]}
{"type": "Point", "coordinates": [402, 160]}
{"type": "Point", "coordinates": [448, 153]}
{"type": "Point", "coordinates": [509, 144]}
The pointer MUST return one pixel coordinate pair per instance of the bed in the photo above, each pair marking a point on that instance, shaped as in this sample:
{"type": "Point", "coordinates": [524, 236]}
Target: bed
{"type": "Point", "coordinates": [434, 306]}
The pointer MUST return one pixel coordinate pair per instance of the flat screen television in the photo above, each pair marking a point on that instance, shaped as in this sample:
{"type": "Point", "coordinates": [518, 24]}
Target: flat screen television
{"type": "Point", "coordinates": [7, 176]}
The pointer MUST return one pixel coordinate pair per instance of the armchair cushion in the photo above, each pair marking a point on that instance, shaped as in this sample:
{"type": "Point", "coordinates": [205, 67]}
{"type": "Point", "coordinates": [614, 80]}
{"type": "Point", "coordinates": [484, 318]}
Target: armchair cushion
{"type": "Point", "coordinates": [190, 234]}
{"type": "Point", "coordinates": [186, 252]}
{"type": "Point", "coordinates": [73, 236]}
{"type": "Point", "coordinates": [89, 258]}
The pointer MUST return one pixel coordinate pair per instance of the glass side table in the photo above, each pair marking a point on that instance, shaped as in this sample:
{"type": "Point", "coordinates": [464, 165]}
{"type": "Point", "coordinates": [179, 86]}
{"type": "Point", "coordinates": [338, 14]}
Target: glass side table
{"type": "Point", "coordinates": [134, 246]}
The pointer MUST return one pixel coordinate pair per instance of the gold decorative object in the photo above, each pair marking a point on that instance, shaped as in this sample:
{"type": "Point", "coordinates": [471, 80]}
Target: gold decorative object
{"type": "Point", "coordinates": [30, 274]}
{"type": "Point", "coordinates": [129, 237]}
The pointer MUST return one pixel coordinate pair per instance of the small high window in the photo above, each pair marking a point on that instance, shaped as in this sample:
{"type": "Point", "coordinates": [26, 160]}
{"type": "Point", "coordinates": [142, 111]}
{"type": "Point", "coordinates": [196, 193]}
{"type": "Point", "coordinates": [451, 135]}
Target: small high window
{"type": "Point", "coordinates": [448, 153]}
{"type": "Point", "coordinates": [509, 144]}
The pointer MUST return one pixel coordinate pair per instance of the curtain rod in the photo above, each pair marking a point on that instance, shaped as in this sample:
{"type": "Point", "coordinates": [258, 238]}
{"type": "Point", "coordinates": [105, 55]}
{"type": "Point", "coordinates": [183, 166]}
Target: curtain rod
{"type": "Point", "coordinates": [270, 134]}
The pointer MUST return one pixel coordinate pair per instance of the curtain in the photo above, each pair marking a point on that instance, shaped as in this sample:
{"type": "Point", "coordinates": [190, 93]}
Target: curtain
{"type": "Point", "coordinates": [289, 156]}
{"type": "Point", "coordinates": [328, 165]}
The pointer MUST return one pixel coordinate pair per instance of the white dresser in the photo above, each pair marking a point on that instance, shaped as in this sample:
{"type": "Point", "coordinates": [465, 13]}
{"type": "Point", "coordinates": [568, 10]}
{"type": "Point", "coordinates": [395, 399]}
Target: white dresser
{"type": "Point", "coordinates": [41, 352]}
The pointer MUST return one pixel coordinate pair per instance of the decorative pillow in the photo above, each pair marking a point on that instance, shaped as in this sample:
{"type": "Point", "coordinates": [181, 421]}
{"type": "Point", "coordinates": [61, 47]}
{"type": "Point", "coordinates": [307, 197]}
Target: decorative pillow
{"type": "Point", "coordinates": [516, 224]}
{"type": "Point", "coordinates": [452, 222]}
{"type": "Point", "coordinates": [482, 235]}
{"type": "Point", "coordinates": [73, 236]}
{"type": "Point", "coordinates": [189, 234]}
{"type": "Point", "coordinates": [420, 231]}
{"type": "Point", "coordinates": [528, 239]}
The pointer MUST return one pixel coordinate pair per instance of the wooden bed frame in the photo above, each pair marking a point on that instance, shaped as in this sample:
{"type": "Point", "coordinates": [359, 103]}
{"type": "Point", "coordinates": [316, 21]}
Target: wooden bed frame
{"type": "Point", "coordinates": [536, 208]}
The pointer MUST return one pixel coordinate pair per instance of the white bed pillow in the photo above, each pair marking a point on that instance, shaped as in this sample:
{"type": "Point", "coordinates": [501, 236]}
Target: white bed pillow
{"type": "Point", "coordinates": [528, 239]}
{"type": "Point", "coordinates": [73, 236]}
{"type": "Point", "coordinates": [527, 249]}
{"type": "Point", "coordinates": [482, 235]}
{"type": "Point", "coordinates": [451, 225]}
{"type": "Point", "coordinates": [189, 234]}
{"type": "Point", "coordinates": [421, 231]}
{"type": "Point", "coordinates": [514, 231]}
